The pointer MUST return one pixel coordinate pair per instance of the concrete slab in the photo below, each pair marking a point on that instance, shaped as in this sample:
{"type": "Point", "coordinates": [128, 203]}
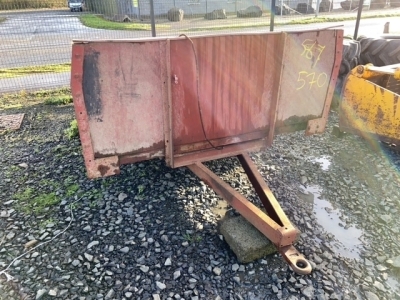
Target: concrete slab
{"type": "Point", "coordinates": [245, 240]}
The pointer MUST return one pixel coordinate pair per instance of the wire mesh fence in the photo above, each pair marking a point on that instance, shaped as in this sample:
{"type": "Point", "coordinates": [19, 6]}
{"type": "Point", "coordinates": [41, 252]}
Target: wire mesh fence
{"type": "Point", "coordinates": [36, 34]}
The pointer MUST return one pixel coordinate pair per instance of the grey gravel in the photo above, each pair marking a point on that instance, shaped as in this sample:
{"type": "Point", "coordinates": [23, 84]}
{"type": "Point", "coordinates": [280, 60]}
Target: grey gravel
{"type": "Point", "coordinates": [177, 274]}
{"type": "Point", "coordinates": [40, 293]}
{"type": "Point", "coordinates": [156, 234]}
{"type": "Point", "coordinates": [160, 285]}
{"type": "Point", "coordinates": [217, 271]}
{"type": "Point", "coordinates": [91, 244]}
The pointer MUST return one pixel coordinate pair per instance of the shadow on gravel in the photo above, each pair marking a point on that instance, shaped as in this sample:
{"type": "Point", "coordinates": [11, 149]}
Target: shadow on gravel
{"type": "Point", "coordinates": [150, 228]}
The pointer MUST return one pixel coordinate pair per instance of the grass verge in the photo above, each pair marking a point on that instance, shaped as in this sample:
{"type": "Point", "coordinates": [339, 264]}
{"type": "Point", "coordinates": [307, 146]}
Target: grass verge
{"type": "Point", "coordinates": [338, 19]}
{"type": "Point", "coordinates": [298, 21]}
{"type": "Point", "coordinates": [23, 99]}
{"type": "Point", "coordinates": [23, 71]}
{"type": "Point", "coordinates": [99, 22]}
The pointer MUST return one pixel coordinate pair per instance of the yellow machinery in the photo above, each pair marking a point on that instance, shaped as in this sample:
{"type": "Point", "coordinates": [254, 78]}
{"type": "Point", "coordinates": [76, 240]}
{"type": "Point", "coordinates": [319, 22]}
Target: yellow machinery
{"type": "Point", "coordinates": [370, 103]}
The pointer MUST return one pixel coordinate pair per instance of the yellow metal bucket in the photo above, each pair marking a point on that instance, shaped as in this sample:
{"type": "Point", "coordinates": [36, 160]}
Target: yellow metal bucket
{"type": "Point", "coordinates": [369, 105]}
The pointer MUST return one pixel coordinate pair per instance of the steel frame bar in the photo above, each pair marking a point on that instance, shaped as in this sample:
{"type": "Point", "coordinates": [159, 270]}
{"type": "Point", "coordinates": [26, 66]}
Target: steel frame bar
{"type": "Point", "coordinates": [318, 125]}
{"type": "Point", "coordinates": [275, 226]}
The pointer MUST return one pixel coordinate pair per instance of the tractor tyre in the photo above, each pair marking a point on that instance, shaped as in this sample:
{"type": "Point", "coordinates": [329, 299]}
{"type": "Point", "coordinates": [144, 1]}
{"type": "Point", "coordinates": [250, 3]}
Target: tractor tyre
{"type": "Point", "coordinates": [380, 52]}
{"type": "Point", "coordinates": [350, 56]}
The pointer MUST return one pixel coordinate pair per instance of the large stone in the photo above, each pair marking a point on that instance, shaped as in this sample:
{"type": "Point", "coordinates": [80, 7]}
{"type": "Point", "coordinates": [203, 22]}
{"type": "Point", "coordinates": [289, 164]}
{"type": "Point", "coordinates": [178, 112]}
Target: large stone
{"type": "Point", "coordinates": [175, 14]}
{"type": "Point", "coordinates": [250, 12]}
{"type": "Point", "coordinates": [245, 240]}
{"type": "Point", "coordinates": [121, 18]}
{"type": "Point", "coordinates": [216, 14]}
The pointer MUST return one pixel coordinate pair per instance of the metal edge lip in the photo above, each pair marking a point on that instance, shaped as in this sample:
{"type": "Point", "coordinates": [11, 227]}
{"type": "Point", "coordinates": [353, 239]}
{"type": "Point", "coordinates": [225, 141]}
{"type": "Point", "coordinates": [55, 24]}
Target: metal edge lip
{"type": "Point", "coordinates": [163, 38]}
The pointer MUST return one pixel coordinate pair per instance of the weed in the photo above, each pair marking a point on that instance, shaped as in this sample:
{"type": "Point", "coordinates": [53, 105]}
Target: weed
{"type": "Point", "coordinates": [72, 131]}
{"type": "Point", "coordinates": [23, 94]}
{"type": "Point", "coordinates": [192, 238]}
{"type": "Point", "coordinates": [46, 222]}
{"type": "Point", "coordinates": [48, 183]}
{"type": "Point", "coordinates": [71, 190]}
{"type": "Point", "coordinates": [74, 206]}
{"type": "Point", "coordinates": [59, 100]}
{"type": "Point", "coordinates": [27, 202]}
{"type": "Point", "coordinates": [140, 189]}
{"type": "Point", "coordinates": [93, 204]}
{"type": "Point", "coordinates": [25, 195]}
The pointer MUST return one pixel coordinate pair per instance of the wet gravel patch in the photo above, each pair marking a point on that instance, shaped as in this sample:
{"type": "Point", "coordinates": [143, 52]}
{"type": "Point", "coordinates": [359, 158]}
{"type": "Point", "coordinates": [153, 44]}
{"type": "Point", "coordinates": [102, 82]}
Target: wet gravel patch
{"type": "Point", "coordinates": [152, 231]}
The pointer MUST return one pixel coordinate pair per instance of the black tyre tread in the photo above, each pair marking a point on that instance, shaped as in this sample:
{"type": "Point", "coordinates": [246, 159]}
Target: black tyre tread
{"type": "Point", "coordinates": [380, 52]}
{"type": "Point", "coordinates": [350, 56]}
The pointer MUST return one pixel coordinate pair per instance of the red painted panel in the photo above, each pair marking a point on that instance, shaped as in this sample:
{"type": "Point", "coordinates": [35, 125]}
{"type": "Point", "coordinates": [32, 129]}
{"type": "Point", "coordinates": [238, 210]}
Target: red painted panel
{"type": "Point", "coordinates": [235, 85]}
{"type": "Point", "coordinates": [122, 87]}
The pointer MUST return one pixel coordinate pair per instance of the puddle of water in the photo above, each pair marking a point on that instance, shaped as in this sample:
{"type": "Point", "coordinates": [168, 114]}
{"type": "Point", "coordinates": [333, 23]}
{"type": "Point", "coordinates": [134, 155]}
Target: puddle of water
{"type": "Point", "coordinates": [324, 161]}
{"type": "Point", "coordinates": [393, 283]}
{"type": "Point", "coordinates": [328, 217]}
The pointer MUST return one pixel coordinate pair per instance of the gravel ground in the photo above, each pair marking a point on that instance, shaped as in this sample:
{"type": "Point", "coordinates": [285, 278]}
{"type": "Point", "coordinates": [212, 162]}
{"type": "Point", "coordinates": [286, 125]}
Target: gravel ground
{"type": "Point", "coordinates": [151, 232]}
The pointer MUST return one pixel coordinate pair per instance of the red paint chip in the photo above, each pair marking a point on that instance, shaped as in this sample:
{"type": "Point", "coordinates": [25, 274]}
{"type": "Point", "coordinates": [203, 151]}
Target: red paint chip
{"type": "Point", "coordinates": [12, 122]}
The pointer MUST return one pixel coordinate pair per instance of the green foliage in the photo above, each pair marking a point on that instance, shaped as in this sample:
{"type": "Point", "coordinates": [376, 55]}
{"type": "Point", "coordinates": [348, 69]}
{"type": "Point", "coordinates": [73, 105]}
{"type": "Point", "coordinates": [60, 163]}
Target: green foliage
{"type": "Point", "coordinates": [59, 100]}
{"type": "Point", "coordinates": [24, 98]}
{"type": "Point", "coordinates": [72, 130]}
{"type": "Point", "coordinates": [95, 21]}
{"type": "Point", "coordinates": [192, 238]}
{"type": "Point", "coordinates": [72, 189]}
{"type": "Point", "coordinates": [23, 71]}
{"type": "Point", "coordinates": [24, 4]}
{"type": "Point", "coordinates": [28, 203]}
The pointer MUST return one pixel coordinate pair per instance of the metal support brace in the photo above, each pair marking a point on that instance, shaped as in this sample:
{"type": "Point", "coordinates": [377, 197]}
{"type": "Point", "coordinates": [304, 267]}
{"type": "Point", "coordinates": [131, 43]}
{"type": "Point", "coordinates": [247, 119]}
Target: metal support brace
{"type": "Point", "coordinates": [274, 225]}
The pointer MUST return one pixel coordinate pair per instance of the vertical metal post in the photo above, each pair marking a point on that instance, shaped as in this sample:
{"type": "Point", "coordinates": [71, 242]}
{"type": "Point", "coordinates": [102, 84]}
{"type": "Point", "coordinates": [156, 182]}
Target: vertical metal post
{"type": "Point", "coordinates": [360, 6]}
{"type": "Point", "coordinates": [281, 8]}
{"type": "Point", "coordinates": [153, 22]}
{"type": "Point", "coordinates": [272, 20]}
{"type": "Point", "coordinates": [317, 9]}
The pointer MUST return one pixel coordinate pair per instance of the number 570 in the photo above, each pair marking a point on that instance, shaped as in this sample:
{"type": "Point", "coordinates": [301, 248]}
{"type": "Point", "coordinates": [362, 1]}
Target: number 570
{"type": "Point", "coordinates": [305, 77]}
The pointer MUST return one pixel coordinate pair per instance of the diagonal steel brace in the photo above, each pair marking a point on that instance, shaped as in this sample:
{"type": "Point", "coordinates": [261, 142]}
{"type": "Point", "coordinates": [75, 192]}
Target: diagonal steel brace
{"type": "Point", "coordinates": [274, 225]}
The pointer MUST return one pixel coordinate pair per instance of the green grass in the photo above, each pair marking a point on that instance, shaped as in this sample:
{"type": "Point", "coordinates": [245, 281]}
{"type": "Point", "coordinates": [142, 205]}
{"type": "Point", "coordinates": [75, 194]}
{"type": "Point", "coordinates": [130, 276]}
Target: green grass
{"type": "Point", "coordinates": [338, 18]}
{"type": "Point", "coordinates": [192, 238]}
{"type": "Point", "coordinates": [30, 203]}
{"type": "Point", "coordinates": [30, 4]}
{"type": "Point", "coordinates": [23, 71]}
{"type": "Point", "coordinates": [297, 21]}
{"type": "Point", "coordinates": [24, 99]}
{"type": "Point", "coordinates": [95, 21]}
{"type": "Point", "coordinates": [72, 131]}
{"type": "Point", "coordinates": [72, 189]}
{"type": "Point", "coordinates": [59, 100]}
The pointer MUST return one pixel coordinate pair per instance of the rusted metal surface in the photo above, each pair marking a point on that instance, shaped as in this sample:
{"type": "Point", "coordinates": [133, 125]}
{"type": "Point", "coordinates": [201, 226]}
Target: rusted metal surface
{"type": "Point", "coordinates": [11, 122]}
{"type": "Point", "coordinates": [275, 225]}
{"type": "Point", "coordinates": [312, 61]}
{"type": "Point", "coordinates": [369, 105]}
{"type": "Point", "coordinates": [123, 91]}
{"type": "Point", "coordinates": [199, 98]}
{"type": "Point", "coordinates": [196, 99]}
{"type": "Point", "coordinates": [223, 87]}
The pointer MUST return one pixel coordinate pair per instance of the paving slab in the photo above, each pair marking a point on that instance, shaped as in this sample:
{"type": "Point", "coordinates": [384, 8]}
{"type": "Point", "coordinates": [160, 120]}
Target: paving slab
{"type": "Point", "coordinates": [245, 240]}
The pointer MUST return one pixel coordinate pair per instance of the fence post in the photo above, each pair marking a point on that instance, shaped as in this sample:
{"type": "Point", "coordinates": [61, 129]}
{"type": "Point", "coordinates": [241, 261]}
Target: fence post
{"type": "Point", "coordinates": [360, 6]}
{"type": "Point", "coordinates": [153, 22]}
{"type": "Point", "coordinates": [317, 9]}
{"type": "Point", "coordinates": [272, 20]}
